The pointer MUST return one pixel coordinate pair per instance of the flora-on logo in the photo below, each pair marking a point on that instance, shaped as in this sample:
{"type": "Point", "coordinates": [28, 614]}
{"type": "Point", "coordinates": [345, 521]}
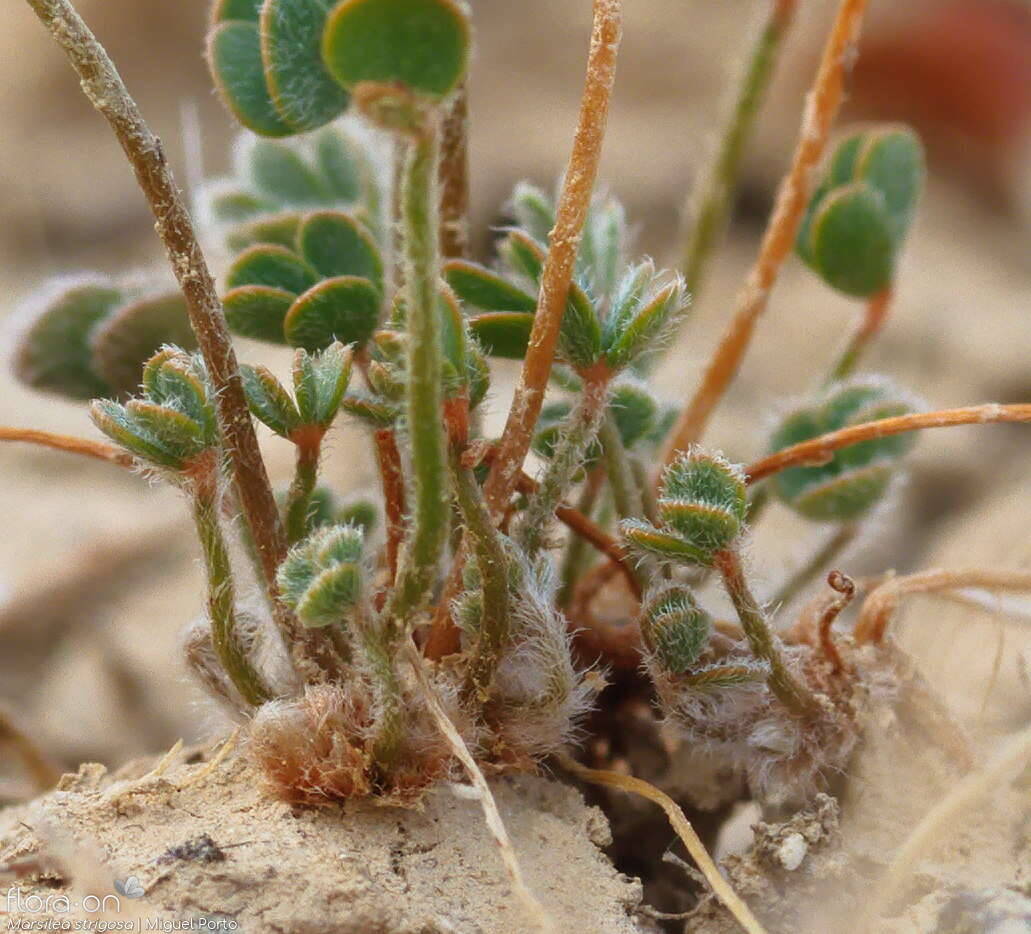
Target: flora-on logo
{"type": "Point", "coordinates": [129, 887]}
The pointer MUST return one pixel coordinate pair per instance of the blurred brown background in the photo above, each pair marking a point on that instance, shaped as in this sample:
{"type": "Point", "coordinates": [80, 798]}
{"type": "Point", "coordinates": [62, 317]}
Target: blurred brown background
{"type": "Point", "coordinates": [98, 572]}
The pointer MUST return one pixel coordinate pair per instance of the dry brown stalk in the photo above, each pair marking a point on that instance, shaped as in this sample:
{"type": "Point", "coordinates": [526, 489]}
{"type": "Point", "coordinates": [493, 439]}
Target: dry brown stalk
{"type": "Point", "coordinates": [571, 213]}
{"type": "Point", "coordinates": [822, 107]}
{"type": "Point", "coordinates": [820, 450]}
{"type": "Point", "coordinates": [881, 604]}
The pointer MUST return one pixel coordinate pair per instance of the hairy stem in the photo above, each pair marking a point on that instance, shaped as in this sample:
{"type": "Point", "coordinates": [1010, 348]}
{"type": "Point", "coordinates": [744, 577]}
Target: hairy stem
{"type": "Point", "coordinates": [222, 597]}
{"type": "Point", "coordinates": [454, 177]}
{"type": "Point", "coordinates": [710, 200]}
{"type": "Point", "coordinates": [379, 646]}
{"type": "Point", "coordinates": [578, 433]}
{"type": "Point", "coordinates": [820, 450]}
{"type": "Point", "coordinates": [574, 561]}
{"type": "Point", "coordinates": [429, 521]}
{"type": "Point", "coordinates": [870, 324]}
{"type": "Point", "coordinates": [298, 499]}
{"type": "Point", "coordinates": [793, 695]}
{"type": "Point", "coordinates": [493, 567]}
{"type": "Point", "coordinates": [388, 458]}
{"type": "Point", "coordinates": [620, 474]}
{"type": "Point", "coordinates": [571, 213]}
{"type": "Point", "coordinates": [821, 109]}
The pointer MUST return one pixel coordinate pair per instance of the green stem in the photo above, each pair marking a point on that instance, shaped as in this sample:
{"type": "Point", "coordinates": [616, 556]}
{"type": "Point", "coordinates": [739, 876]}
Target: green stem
{"type": "Point", "coordinates": [380, 651]}
{"type": "Point", "coordinates": [426, 435]}
{"type": "Point", "coordinates": [793, 695]}
{"type": "Point", "coordinates": [579, 430]}
{"type": "Point", "coordinates": [626, 496]}
{"type": "Point", "coordinates": [711, 197]}
{"type": "Point", "coordinates": [493, 567]}
{"type": "Point", "coordinates": [222, 599]}
{"type": "Point", "coordinates": [298, 500]}
{"type": "Point", "coordinates": [874, 316]}
{"type": "Point", "coordinates": [649, 498]}
{"type": "Point", "coordinates": [578, 552]}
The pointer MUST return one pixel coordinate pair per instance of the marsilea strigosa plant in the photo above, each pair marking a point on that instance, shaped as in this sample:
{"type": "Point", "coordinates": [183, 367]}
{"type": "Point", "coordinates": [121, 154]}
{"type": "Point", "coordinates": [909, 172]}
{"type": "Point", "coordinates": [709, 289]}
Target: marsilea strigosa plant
{"type": "Point", "coordinates": [451, 622]}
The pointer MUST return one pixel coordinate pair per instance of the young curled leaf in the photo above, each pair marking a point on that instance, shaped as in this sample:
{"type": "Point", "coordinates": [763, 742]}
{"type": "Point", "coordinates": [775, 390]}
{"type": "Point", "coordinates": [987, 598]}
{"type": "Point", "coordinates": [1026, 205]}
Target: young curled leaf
{"type": "Point", "coordinates": [268, 401]}
{"type": "Point", "coordinates": [534, 211]}
{"type": "Point", "coordinates": [176, 379]}
{"type": "Point", "coordinates": [372, 411]}
{"type": "Point", "coordinates": [320, 381]}
{"type": "Point", "coordinates": [675, 628]}
{"type": "Point", "coordinates": [642, 320]}
{"type": "Point", "coordinates": [321, 577]}
{"type": "Point", "coordinates": [644, 537]}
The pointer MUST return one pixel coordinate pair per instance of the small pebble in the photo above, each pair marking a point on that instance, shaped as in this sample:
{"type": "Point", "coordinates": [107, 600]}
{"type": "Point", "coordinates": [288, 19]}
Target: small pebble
{"type": "Point", "coordinates": [792, 851]}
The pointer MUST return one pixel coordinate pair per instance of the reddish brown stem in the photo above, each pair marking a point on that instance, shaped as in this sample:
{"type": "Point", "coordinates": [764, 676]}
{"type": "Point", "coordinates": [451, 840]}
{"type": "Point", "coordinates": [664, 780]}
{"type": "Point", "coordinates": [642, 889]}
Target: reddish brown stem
{"type": "Point", "coordinates": [95, 449]}
{"type": "Point", "coordinates": [557, 274]}
{"type": "Point", "coordinates": [389, 460]}
{"type": "Point", "coordinates": [845, 587]}
{"type": "Point", "coordinates": [820, 450]}
{"type": "Point", "coordinates": [821, 110]}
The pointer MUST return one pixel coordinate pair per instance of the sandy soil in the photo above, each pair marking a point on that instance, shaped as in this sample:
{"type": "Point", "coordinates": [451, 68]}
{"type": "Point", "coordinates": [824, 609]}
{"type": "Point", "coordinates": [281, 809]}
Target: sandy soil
{"type": "Point", "coordinates": [210, 842]}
